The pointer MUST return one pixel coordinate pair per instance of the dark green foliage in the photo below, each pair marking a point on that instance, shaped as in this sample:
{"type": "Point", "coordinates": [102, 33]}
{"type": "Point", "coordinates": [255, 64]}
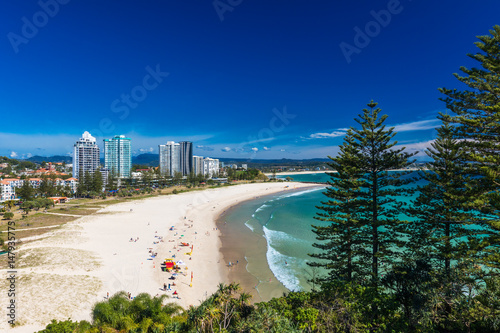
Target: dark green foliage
{"type": "Point", "coordinates": [26, 191]}
{"type": "Point", "coordinates": [478, 109]}
{"type": "Point", "coordinates": [90, 184]}
{"type": "Point", "coordinates": [340, 242]}
{"type": "Point", "coordinates": [8, 215]}
{"type": "Point", "coordinates": [66, 326]}
{"type": "Point", "coordinates": [250, 174]}
{"type": "Point", "coordinates": [442, 230]}
{"type": "Point", "coordinates": [412, 284]}
{"type": "Point", "coordinates": [144, 313]}
{"type": "Point", "coordinates": [378, 208]}
{"type": "Point", "coordinates": [363, 210]}
{"type": "Point", "coordinates": [477, 120]}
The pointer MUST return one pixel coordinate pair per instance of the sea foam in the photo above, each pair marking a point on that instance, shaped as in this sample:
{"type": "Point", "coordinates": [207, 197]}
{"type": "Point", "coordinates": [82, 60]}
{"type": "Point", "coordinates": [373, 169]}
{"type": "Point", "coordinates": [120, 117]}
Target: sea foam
{"type": "Point", "coordinates": [276, 260]}
{"type": "Point", "coordinates": [294, 194]}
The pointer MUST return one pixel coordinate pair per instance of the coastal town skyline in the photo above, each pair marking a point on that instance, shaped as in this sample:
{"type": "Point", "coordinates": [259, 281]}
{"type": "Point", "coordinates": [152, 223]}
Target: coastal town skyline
{"type": "Point", "coordinates": [217, 77]}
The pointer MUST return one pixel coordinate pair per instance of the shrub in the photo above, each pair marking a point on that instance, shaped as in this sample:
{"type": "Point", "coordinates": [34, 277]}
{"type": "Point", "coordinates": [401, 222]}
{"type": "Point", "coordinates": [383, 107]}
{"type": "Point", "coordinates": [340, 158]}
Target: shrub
{"type": "Point", "coordinates": [8, 216]}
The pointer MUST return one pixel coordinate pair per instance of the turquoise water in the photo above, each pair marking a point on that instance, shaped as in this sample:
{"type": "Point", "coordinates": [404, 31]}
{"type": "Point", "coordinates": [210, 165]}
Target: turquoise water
{"type": "Point", "coordinates": [307, 177]}
{"type": "Point", "coordinates": [285, 221]}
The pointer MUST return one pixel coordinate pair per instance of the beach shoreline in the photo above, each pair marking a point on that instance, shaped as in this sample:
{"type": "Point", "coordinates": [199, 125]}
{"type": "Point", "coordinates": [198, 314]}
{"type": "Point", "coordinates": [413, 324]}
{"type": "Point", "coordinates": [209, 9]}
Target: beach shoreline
{"type": "Point", "coordinates": [78, 264]}
{"type": "Point", "coordinates": [291, 173]}
{"type": "Point", "coordinates": [247, 251]}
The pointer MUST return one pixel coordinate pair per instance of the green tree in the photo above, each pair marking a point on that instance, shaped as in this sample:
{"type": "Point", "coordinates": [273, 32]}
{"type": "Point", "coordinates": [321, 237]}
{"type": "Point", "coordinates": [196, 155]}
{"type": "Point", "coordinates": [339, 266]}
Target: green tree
{"type": "Point", "coordinates": [27, 206]}
{"type": "Point", "coordinates": [378, 197]}
{"type": "Point", "coordinates": [47, 187]}
{"type": "Point", "coordinates": [96, 183]}
{"type": "Point", "coordinates": [443, 223]}
{"type": "Point", "coordinates": [477, 110]}
{"type": "Point", "coordinates": [26, 191]}
{"type": "Point", "coordinates": [112, 181]}
{"type": "Point", "coordinates": [8, 215]}
{"type": "Point", "coordinates": [477, 126]}
{"type": "Point", "coordinates": [367, 199]}
{"type": "Point", "coordinates": [340, 241]}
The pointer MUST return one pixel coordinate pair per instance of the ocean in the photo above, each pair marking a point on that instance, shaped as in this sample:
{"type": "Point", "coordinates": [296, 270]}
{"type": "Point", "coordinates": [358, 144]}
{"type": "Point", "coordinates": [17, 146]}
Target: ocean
{"type": "Point", "coordinates": [284, 220]}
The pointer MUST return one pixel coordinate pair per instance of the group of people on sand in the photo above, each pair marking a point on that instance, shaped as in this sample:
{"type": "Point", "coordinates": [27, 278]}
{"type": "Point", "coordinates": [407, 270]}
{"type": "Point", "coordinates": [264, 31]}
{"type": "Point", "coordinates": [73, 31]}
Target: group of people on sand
{"type": "Point", "coordinates": [167, 288]}
{"type": "Point", "coordinates": [133, 240]}
{"type": "Point", "coordinates": [160, 240]}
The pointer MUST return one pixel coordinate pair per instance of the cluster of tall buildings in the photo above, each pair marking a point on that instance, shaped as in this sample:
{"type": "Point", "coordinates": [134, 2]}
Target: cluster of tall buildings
{"type": "Point", "coordinates": [117, 156]}
{"type": "Point", "coordinates": [206, 166]}
{"type": "Point", "coordinates": [175, 158]}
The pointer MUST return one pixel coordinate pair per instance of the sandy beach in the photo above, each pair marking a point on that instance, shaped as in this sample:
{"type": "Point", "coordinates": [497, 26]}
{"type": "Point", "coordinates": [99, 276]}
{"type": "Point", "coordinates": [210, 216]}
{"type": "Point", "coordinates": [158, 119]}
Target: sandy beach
{"type": "Point", "coordinates": [63, 274]}
{"type": "Point", "coordinates": [291, 173]}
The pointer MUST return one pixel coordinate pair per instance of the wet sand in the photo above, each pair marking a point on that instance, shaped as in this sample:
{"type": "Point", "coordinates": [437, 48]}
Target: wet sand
{"type": "Point", "coordinates": [252, 272]}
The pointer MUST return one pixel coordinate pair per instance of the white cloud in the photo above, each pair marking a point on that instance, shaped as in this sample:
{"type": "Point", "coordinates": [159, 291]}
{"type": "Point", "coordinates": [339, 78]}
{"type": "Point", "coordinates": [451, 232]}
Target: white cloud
{"type": "Point", "coordinates": [333, 134]}
{"type": "Point", "coordinates": [267, 148]}
{"type": "Point", "coordinates": [416, 146]}
{"type": "Point", "coordinates": [255, 149]}
{"type": "Point", "coordinates": [13, 154]}
{"type": "Point", "coordinates": [146, 150]}
{"type": "Point", "coordinates": [420, 125]}
{"type": "Point", "coordinates": [226, 149]}
{"type": "Point", "coordinates": [261, 140]}
{"type": "Point", "coordinates": [206, 148]}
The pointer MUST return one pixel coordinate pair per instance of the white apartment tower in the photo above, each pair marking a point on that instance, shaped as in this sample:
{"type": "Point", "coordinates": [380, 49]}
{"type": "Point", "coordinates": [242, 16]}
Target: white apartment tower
{"type": "Point", "coordinates": [210, 167]}
{"type": "Point", "coordinates": [170, 158]}
{"type": "Point", "coordinates": [85, 155]}
{"type": "Point", "coordinates": [198, 165]}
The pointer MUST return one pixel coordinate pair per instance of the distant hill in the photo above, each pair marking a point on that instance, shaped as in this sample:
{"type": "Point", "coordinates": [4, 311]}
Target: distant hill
{"type": "Point", "coordinates": [146, 159]}
{"type": "Point", "coordinates": [153, 160]}
{"type": "Point", "coordinates": [52, 159]}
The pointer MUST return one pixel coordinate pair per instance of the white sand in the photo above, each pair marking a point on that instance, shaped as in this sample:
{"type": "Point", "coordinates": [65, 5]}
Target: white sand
{"type": "Point", "coordinates": [291, 173]}
{"type": "Point", "coordinates": [63, 275]}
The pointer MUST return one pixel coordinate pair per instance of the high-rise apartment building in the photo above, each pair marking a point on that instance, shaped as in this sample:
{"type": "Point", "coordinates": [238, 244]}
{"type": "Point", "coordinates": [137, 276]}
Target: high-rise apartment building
{"type": "Point", "coordinates": [198, 165]}
{"type": "Point", "coordinates": [118, 156]}
{"type": "Point", "coordinates": [170, 158]}
{"type": "Point", "coordinates": [85, 155]}
{"type": "Point", "coordinates": [176, 157]}
{"type": "Point", "coordinates": [186, 150]}
{"type": "Point", "coordinates": [210, 167]}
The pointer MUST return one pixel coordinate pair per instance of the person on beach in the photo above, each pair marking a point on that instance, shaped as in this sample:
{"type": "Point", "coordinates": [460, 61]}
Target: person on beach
{"type": "Point", "coordinates": [165, 286]}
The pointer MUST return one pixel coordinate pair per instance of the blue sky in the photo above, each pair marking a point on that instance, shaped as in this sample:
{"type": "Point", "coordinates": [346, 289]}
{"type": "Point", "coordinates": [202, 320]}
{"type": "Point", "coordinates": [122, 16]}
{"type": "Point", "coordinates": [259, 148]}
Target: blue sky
{"type": "Point", "coordinates": [239, 78]}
